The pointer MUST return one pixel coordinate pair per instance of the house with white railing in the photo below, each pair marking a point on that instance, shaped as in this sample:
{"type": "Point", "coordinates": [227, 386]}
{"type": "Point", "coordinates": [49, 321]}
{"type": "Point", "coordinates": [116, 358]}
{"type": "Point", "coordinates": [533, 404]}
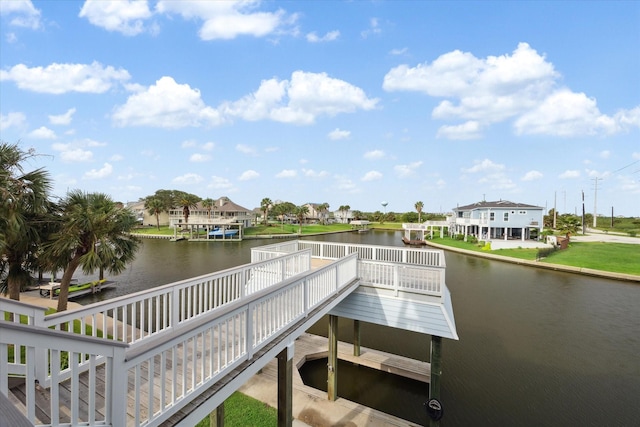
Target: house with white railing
{"type": "Point", "coordinates": [500, 219]}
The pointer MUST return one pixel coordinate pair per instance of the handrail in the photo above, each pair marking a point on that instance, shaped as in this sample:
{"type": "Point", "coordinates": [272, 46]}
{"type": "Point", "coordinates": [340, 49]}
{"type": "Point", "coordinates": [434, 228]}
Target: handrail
{"type": "Point", "coordinates": [140, 315]}
{"type": "Point", "coordinates": [218, 342]}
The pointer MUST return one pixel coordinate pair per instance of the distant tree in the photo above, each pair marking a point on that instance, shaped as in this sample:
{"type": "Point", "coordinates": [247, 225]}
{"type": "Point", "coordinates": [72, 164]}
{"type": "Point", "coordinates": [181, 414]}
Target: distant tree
{"type": "Point", "coordinates": [265, 205]}
{"type": "Point", "coordinates": [208, 204]}
{"type": "Point", "coordinates": [344, 209]}
{"type": "Point", "coordinates": [187, 202]}
{"type": "Point", "coordinates": [301, 213]}
{"type": "Point", "coordinates": [24, 208]}
{"type": "Point", "coordinates": [419, 206]}
{"type": "Point", "coordinates": [323, 209]}
{"type": "Point", "coordinates": [357, 214]}
{"type": "Point", "coordinates": [91, 233]}
{"type": "Point", "coordinates": [567, 223]}
{"type": "Point", "coordinates": [410, 217]}
{"type": "Point", "coordinates": [155, 207]}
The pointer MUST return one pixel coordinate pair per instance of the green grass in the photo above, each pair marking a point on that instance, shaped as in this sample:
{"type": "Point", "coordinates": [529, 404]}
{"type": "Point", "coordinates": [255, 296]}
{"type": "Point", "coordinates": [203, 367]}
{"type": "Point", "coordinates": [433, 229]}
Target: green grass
{"type": "Point", "coordinates": [615, 257]}
{"type": "Point", "coordinates": [241, 410]}
{"type": "Point", "coordinates": [165, 230]}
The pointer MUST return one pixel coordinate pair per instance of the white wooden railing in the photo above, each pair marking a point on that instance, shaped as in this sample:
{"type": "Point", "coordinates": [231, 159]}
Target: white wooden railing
{"type": "Point", "coordinates": [169, 369]}
{"type": "Point", "coordinates": [401, 278]}
{"type": "Point", "coordinates": [330, 250]}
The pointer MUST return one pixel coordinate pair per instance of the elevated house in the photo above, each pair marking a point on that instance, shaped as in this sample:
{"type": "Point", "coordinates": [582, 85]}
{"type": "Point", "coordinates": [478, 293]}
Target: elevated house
{"type": "Point", "coordinates": [501, 219]}
{"type": "Point", "coordinates": [223, 212]}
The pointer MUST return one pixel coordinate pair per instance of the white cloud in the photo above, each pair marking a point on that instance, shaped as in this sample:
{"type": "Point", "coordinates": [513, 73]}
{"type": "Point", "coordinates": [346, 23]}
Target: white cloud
{"type": "Point", "coordinates": [229, 19]}
{"type": "Point", "coordinates": [287, 173]}
{"type": "Point", "coordinates": [300, 100]}
{"type": "Point", "coordinates": [42, 133]}
{"type": "Point", "coordinates": [313, 174]}
{"type": "Point", "coordinates": [23, 13]}
{"type": "Point", "coordinates": [465, 131]}
{"type": "Point", "coordinates": [565, 113]}
{"type": "Point", "coordinates": [166, 104]}
{"type": "Point", "coordinates": [116, 158]}
{"type": "Point", "coordinates": [123, 16]}
{"type": "Point", "coordinates": [520, 86]}
{"type": "Point", "coordinates": [485, 165]}
{"type": "Point", "coordinates": [398, 51]}
{"type": "Point", "coordinates": [189, 144]}
{"type": "Point", "coordinates": [329, 37]}
{"type": "Point", "coordinates": [104, 172]}
{"type": "Point", "coordinates": [248, 175]}
{"type": "Point", "coordinates": [405, 171]}
{"type": "Point", "coordinates": [72, 153]}
{"type": "Point", "coordinates": [62, 78]}
{"type": "Point", "coordinates": [199, 158]}
{"type": "Point", "coordinates": [605, 154]}
{"type": "Point", "coordinates": [220, 183]}
{"type": "Point", "coordinates": [16, 120]}
{"type": "Point", "coordinates": [188, 178]}
{"type": "Point", "coordinates": [569, 174]}
{"type": "Point", "coordinates": [337, 134]}
{"type": "Point", "coordinates": [374, 28]}
{"type": "Point", "coordinates": [245, 149]}
{"type": "Point", "coordinates": [62, 119]}
{"type": "Point", "coordinates": [345, 185]}
{"type": "Point", "coordinates": [372, 176]}
{"type": "Point", "coordinates": [374, 155]}
{"type": "Point", "coordinates": [532, 175]}
{"type": "Point", "coordinates": [635, 155]}
{"type": "Point", "coordinates": [208, 146]}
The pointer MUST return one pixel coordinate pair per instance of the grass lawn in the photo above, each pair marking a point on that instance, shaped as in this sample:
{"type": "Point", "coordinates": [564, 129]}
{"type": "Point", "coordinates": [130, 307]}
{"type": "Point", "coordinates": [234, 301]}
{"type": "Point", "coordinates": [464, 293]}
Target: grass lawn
{"type": "Point", "coordinates": [616, 257]}
{"type": "Point", "coordinates": [241, 410]}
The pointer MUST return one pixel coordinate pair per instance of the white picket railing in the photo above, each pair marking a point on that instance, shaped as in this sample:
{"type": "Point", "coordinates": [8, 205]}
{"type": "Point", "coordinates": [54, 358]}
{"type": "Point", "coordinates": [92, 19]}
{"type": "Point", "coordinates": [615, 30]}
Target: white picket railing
{"type": "Point", "coordinates": [330, 250]}
{"type": "Point", "coordinates": [402, 278]}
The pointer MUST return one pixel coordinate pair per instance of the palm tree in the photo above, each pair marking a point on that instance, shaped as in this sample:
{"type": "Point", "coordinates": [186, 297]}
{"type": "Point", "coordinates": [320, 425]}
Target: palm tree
{"type": "Point", "coordinates": [265, 205]}
{"type": "Point", "coordinates": [345, 210]}
{"type": "Point", "coordinates": [301, 213]}
{"type": "Point", "coordinates": [419, 206]}
{"type": "Point", "coordinates": [186, 202]}
{"type": "Point", "coordinates": [24, 206]}
{"type": "Point", "coordinates": [92, 233]}
{"type": "Point", "coordinates": [323, 209]}
{"type": "Point", "coordinates": [155, 206]}
{"type": "Point", "coordinates": [208, 204]}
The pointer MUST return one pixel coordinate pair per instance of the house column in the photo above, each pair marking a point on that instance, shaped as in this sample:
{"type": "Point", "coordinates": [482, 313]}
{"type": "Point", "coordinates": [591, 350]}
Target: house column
{"type": "Point", "coordinates": [523, 231]}
{"type": "Point", "coordinates": [285, 387]}
{"type": "Point", "coordinates": [434, 381]}
{"type": "Point", "coordinates": [216, 417]}
{"type": "Point", "coordinates": [332, 362]}
{"type": "Point", "coordinates": [356, 338]}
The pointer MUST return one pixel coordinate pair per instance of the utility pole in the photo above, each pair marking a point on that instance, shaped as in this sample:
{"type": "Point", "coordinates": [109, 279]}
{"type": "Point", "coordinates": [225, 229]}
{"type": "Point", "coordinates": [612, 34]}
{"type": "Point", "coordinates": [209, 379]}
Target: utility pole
{"type": "Point", "coordinates": [555, 209]}
{"type": "Point", "coordinates": [595, 203]}
{"type": "Point", "coordinates": [583, 226]}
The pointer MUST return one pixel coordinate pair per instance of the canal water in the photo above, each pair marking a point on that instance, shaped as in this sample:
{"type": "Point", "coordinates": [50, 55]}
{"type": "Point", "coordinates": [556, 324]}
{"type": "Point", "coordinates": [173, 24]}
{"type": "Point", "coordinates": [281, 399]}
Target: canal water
{"type": "Point", "coordinates": [536, 348]}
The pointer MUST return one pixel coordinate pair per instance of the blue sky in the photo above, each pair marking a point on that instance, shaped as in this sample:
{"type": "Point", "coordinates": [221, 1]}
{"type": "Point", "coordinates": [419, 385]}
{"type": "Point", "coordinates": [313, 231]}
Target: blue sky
{"type": "Point", "coordinates": [345, 102]}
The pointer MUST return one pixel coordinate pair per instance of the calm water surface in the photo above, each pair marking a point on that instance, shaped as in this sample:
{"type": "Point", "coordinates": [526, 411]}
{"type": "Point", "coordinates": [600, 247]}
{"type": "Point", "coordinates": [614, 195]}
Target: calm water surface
{"type": "Point", "coordinates": [536, 348]}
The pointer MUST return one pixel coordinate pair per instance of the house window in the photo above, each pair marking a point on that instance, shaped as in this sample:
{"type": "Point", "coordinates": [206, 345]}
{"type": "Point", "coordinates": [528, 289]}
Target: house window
{"type": "Point", "coordinates": [522, 212]}
{"type": "Point", "coordinates": [506, 217]}
{"type": "Point", "coordinates": [492, 216]}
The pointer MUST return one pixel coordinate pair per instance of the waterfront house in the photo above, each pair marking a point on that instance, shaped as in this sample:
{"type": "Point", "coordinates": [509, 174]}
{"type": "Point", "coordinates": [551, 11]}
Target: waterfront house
{"type": "Point", "coordinates": [223, 212]}
{"type": "Point", "coordinates": [501, 219]}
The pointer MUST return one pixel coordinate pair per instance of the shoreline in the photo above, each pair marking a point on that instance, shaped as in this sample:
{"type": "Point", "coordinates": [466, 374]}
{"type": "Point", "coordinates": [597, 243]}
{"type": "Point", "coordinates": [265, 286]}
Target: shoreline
{"type": "Point", "coordinates": [537, 264]}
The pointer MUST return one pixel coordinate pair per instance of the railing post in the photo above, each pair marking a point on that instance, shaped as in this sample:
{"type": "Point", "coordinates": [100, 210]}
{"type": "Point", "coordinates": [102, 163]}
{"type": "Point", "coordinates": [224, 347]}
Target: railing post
{"type": "Point", "coordinates": [250, 309]}
{"type": "Point", "coordinates": [41, 353]}
{"type": "Point", "coordinates": [175, 307]}
{"type": "Point", "coordinates": [396, 279]}
{"type": "Point", "coordinates": [117, 390]}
